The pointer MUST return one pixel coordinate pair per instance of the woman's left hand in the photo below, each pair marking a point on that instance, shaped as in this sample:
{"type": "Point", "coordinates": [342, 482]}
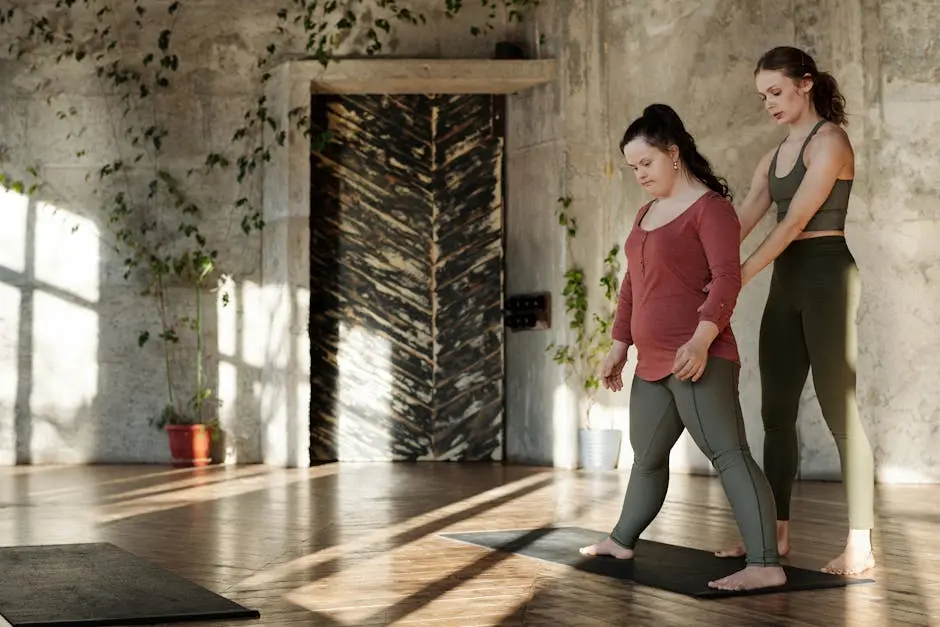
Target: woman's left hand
{"type": "Point", "coordinates": [690, 360]}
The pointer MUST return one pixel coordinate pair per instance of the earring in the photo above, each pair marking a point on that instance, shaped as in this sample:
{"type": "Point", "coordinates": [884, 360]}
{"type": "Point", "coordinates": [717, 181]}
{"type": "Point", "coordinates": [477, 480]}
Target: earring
{"type": "Point", "coordinates": [675, 165]}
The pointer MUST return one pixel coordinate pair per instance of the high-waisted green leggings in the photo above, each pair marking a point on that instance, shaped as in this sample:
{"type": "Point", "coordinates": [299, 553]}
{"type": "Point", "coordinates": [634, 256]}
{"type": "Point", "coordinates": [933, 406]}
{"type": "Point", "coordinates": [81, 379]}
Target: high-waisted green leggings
{"type": "Point", "coordinates": [709, 409]}
{"type": "Point", "coordinates": [809, 322]}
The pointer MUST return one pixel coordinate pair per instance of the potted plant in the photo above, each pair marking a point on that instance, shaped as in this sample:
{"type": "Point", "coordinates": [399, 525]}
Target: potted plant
{"type": "Point", "coordinates": [147, 202]}
{"type": "Point", "coordinates": [192, 428]}
{"type": "Point", "coordinates": [599, 447]}
{"type": "Point", "coordinates": [149, 206]}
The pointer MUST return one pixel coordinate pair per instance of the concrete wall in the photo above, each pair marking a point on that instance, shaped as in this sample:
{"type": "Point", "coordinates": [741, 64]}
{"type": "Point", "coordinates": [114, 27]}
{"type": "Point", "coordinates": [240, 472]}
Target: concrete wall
{"type": "Point", "coordinates": [74, 387]}
{"type": "Point", "coordinates": [699, 57]}
{"type": "Point", "coordinates": [617, 57]}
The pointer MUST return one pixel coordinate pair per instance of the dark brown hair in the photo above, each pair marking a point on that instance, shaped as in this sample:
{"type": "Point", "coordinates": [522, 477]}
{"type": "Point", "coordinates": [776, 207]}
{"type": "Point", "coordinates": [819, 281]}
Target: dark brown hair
{"type": "Point", "coordinates": [797, 65]}
{"type": "Point", "coordinates": [661, 127]}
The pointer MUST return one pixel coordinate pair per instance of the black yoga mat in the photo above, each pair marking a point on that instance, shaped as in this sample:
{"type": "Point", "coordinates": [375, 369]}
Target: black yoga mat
{"type": "Point", "coordinates": [664, 566]}
{"type": "Point", "coordinates": [100, 584]}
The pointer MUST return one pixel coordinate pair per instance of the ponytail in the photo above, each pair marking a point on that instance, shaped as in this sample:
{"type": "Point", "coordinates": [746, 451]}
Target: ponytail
{"type": "Point", "coordinates": [828, 100]}
{"type": "Point", "coordinates": [660, 126]}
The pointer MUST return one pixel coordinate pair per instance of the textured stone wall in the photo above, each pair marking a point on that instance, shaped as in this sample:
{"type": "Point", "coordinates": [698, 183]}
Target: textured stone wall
{"type": "Point", "coordinates": [887, 54]}
{"type": "Point", "coordinates": [74, 387]}
{"type": "Point", "coordinates": [698, 57]}
{"type": "Point", "coordinates": [616, 57]}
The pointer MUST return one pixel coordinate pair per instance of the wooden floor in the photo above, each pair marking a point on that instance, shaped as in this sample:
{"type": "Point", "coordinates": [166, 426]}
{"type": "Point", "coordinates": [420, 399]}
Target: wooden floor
{"type": "Point", "coordinates": [350, 545]}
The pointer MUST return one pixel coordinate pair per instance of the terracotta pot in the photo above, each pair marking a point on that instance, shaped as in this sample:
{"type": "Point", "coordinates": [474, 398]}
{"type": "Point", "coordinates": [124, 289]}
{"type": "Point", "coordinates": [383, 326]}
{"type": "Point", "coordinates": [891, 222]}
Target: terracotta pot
{"type": "Point", "coordinates": [190, 445]}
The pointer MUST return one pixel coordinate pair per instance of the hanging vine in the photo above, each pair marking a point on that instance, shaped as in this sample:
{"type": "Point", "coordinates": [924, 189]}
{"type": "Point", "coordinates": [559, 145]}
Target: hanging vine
{"type": "Point", "coordinates": [513, 11]}
{"type": "Point", "coordinates": [155, 220]}
{"type": "Point", "coordinates": [583, 356]}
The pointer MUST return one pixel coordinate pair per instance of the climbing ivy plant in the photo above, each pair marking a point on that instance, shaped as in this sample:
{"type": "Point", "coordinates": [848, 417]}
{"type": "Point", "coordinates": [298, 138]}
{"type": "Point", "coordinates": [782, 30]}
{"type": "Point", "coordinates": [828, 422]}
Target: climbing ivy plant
{"type": "Point", "coordinates": [156, 213]}
{"type": "Point", "coordinates": [514, 11]}
{"type": "Point", "coordinates": [583, 356]}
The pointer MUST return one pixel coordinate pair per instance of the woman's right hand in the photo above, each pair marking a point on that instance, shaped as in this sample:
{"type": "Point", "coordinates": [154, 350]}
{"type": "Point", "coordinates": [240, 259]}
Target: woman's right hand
{"type": "Point", "coordinates": [612, 367]}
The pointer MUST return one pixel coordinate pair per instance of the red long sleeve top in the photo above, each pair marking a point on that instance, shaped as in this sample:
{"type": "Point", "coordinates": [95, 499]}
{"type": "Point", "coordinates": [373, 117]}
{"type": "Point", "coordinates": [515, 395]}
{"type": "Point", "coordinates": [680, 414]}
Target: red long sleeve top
{"type": "Point", "coordinates": [662, 290]}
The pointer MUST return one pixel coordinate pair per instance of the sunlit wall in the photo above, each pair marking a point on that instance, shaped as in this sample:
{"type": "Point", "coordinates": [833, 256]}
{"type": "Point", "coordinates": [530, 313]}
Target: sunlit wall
{"type": "Point", "coordinates": [49, 331]}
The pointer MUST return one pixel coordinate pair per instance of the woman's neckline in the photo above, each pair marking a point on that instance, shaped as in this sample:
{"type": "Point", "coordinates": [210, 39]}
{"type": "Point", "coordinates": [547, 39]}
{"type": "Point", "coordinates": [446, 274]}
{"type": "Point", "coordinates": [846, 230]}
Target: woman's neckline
{"type": "Point", "coordinates": [650, 204]}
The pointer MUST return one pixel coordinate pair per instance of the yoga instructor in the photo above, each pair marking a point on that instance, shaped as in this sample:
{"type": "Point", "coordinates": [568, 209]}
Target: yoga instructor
{"type": "Point", "coordinates": [809, 319]}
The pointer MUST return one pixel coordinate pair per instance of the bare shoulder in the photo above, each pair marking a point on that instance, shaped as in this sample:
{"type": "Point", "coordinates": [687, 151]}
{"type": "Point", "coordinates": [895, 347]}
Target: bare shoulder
{"type": "Point", "coordinates": [831, 141]}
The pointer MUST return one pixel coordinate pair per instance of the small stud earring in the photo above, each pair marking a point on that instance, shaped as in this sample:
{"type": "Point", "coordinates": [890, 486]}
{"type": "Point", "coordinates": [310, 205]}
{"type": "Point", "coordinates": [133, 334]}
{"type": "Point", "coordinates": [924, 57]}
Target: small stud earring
{"type": "Point", "coordinates": [675, 165]}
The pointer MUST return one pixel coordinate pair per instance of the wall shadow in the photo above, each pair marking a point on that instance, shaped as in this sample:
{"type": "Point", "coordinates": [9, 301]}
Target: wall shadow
{"type": "Point", "coordinates": [76, 387]}
{"type": "Point", "coordinates": [50, 310]}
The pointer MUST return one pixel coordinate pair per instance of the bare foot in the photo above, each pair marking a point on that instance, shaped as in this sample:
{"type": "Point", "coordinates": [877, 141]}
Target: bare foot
{"type": "Point", "coordinates": [751, 578]}
{"type": "Point", "coordinates": [607, 547]}
{"type": "Point", "coordinates": [783, 543]}
{"type": "Point", "coordinates": [737, 551]}
{"type": "Point", "coordinates": [857, 557]}
{"type": "Point", "coordinates": [853, 561]}
{"type": "Point", "coordinates": [783, 548]}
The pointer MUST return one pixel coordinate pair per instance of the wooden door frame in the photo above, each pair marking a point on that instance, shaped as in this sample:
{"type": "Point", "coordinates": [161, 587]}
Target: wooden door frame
{"type": "Point", "coordinates": [284, 294]}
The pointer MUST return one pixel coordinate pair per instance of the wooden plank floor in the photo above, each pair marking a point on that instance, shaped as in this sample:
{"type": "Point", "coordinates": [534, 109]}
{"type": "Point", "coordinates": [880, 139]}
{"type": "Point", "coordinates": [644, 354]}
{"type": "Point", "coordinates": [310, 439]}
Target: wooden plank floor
{"type": "Point", "coordinates": [358, 544]}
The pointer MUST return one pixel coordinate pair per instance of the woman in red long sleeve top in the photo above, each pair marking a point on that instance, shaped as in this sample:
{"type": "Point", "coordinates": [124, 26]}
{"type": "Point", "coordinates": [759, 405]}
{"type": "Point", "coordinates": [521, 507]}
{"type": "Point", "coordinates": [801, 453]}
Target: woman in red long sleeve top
{"type": "Point", "coordinates": [670, 263]}
{"type": "Point", "coordinates": [685, 239]}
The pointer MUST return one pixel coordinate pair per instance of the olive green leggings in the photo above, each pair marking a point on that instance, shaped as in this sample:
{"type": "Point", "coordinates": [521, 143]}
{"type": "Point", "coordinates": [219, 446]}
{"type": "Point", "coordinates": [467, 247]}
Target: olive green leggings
{"type": "Point", "coordinates": [809, 322]}
{"type": "Point", "coordinates": [709, 409]}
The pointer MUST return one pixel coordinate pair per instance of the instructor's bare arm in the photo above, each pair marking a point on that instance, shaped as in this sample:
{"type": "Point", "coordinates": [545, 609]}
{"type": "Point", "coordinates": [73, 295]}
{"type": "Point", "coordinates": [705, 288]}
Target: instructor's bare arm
{"type": "Point", "coordinates": [755, 205]}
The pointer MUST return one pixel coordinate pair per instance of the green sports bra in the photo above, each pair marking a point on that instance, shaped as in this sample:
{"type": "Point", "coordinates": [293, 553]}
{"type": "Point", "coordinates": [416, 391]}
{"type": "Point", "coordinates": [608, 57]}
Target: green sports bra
{"type": "Point", "coordinates": [831, 214]}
